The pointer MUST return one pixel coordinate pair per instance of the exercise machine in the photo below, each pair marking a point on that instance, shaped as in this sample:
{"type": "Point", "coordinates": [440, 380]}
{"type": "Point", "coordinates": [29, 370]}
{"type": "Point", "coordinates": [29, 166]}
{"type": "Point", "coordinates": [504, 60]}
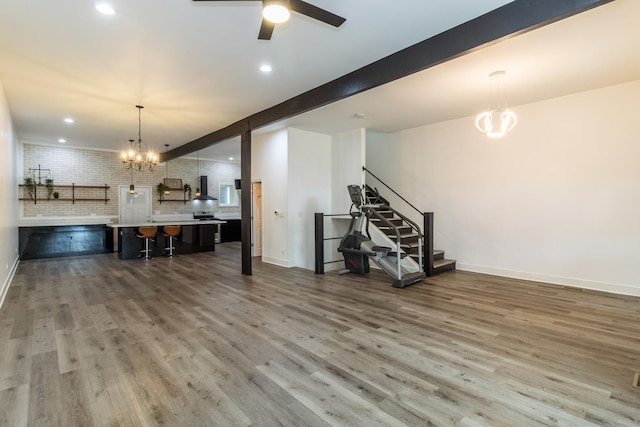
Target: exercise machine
{"type": "Point", "coordinates": [358, 248]}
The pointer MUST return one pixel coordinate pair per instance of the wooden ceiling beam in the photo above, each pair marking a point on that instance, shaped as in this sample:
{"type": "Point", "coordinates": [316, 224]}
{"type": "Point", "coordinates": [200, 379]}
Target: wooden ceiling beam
{"type": "Point", "coordinates": [510, 20]}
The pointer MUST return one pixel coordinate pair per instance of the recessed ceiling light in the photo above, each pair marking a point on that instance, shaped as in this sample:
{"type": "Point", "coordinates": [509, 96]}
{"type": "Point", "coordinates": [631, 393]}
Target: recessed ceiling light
{"type": "Point", "coordinates": [68, 120]}
{"type": "Point", "coordinates": [105, 8]}
{"type": "Point", "coordinates": [265, 68]}
{"type": "Point", "coordinates": [62, 140]}
{"type": "Point", "coordinates": [230, 158]}
{"type": "Point", "coordinates": [359, 115]}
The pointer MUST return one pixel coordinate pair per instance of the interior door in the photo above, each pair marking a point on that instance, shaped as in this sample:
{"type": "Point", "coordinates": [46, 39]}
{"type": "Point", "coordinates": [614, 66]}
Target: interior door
{"type": "Point", "coordinates": [134, 208]}
{"type": "Point", "coordinates": [256, 213]}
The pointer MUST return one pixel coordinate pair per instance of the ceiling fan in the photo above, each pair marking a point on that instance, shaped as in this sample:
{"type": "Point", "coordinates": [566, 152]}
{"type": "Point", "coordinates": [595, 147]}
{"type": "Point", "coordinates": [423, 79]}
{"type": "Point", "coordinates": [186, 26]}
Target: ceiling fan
{"type": "Point", "coordinates": [281, 10]}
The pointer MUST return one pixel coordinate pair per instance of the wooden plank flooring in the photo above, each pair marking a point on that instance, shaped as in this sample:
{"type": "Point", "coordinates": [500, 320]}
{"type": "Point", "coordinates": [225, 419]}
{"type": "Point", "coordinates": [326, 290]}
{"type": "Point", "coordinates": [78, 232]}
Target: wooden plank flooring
{"type": "Point", "coordinates": [188, 341]}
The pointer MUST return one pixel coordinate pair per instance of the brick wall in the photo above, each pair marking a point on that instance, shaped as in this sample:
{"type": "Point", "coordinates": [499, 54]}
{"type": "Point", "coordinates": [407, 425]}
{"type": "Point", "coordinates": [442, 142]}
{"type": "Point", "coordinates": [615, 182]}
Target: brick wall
{"type": "Point", "coordinates": [88, 167]}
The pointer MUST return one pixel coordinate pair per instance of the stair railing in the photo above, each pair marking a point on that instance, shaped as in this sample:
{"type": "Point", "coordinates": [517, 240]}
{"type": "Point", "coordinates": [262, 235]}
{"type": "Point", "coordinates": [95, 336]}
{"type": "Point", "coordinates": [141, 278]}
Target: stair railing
{"type": "Point", "coordinates": [427, 219]}
{"type": "Point", "coordinates": [392, 190]}
{"type": "Point", "coordinates": [389, 224]}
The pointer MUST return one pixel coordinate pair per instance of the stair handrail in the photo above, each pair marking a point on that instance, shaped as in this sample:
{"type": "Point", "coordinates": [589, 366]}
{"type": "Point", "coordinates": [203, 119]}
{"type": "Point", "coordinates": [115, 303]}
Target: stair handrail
{"type": "Point", "coordinates": [392, 190]}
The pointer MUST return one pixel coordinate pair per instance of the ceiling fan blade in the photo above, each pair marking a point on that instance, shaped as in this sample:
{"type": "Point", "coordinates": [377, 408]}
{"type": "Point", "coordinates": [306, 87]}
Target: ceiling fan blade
{"type": "Point", "coordinates": [266, 30]}
{"type": "Point", "coordinates": [316, 13]}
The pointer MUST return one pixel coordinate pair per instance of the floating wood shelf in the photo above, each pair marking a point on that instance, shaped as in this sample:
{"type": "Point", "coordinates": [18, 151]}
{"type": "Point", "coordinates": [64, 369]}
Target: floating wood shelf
{"type": "Point", "coordinates": [177, 190]}
{"type": "Point", "coordinates": [66, 199]}
{"type": "Point", "coordinates": [73, 199]}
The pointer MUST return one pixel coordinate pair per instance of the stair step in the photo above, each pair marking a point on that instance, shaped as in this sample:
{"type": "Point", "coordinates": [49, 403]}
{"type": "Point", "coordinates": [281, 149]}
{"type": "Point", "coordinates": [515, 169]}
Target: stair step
{"type": "Point", "coordinates": [384, 213]}
{"type": "Point", "coordinates": [408, 238]}
{"type": "Point", "coordinates": [443, 265]}
{"type": "Point", "coordinates": [410, 246]}
{"type": "Point", "coordinates": [437, 254]}
{"type": "Point", "coordinates": [404, 230]}
{"type": "Point", "coordinates": [394, 221]}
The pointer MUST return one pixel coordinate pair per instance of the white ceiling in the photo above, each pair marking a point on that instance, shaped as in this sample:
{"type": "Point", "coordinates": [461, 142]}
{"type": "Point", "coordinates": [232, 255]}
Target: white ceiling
{"type": "Point", "coordinates": [194, 66]}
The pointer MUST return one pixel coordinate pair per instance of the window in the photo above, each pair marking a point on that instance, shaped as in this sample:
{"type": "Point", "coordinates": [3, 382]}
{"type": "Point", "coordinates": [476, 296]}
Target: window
{"type": "Point", "coordinates": [228, 195]}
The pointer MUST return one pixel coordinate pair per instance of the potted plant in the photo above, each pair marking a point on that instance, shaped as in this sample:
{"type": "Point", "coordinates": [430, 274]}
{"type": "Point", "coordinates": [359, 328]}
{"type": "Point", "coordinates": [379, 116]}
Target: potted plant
{"type": "Point", "coordinates": [56, 195]}
{"type": "Point", "coordinates": [30, 185]}
{"type": "Point", "coordinates": [49, 184]}
{"type": "Point", "coordinates": [187, 189]}
{"type": "Point", "coordinates": [160, 190]}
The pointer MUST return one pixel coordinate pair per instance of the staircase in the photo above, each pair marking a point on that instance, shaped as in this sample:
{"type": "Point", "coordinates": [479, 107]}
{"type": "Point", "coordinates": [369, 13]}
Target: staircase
{"type": "Point", "coordinates": [408, 238]}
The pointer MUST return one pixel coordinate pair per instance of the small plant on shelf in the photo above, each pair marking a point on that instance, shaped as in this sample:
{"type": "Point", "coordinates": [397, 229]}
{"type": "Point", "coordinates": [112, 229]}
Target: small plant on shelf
{"type": "Point", "coordinates": [56, 195]}
{"type": "Point", "coordinates": [160, 190]}
{"type": "Point", "coordinates": [49, 184]}
{"type": "Point", "coordinates": [187, 189]}
{"type": "Point", "coordinates": [30, 185]}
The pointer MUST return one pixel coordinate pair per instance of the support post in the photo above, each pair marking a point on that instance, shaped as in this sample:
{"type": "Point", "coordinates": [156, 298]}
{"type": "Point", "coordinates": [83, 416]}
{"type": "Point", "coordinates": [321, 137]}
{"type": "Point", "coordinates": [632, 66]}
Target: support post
{"type": "Point", "coordinates": [319, 241]}
{"type": "Point", "coordinates": [428, 243]}
{"type": "Point", "coordinates": [245, 198]}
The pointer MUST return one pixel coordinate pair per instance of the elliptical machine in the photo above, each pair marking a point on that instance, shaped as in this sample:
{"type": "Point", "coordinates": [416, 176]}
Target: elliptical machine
{"type": "Point", "coordinates": [357, 248]}
{"type": "Point", "coordinates": [356, 259]}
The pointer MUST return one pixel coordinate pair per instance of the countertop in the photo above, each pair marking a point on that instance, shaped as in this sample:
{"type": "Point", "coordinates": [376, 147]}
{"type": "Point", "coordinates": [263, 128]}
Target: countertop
{"type": "Point", "coordinates": [163, 223]}
{"type": "Point", "coordinates": [185, 219]}
{"type": "Point", "coordinates": [52, 221]}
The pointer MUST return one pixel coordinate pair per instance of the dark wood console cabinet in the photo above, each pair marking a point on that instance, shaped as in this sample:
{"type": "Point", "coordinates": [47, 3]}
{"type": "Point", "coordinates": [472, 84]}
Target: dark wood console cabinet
{"type": "Point", "coordinates": [64, 240]}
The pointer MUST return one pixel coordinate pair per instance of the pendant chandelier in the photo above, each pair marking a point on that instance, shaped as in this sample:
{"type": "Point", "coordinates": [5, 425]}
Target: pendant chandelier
{"type": "Point", "coordinates": [197, 173]}
{"type": "Point", "coordinates": [132, 188]}
{"type": "Point", "coordinates": [139, 157]}
{"type": "Point", "coordinates": [166, 171]}
{"type": "Point", "coordinates": [497, 120]}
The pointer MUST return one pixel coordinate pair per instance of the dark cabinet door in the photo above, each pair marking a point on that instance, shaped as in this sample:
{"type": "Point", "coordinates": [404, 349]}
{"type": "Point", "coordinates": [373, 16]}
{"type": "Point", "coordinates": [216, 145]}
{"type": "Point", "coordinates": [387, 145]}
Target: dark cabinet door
{"type": "Point", "coordinates": [230, 231]}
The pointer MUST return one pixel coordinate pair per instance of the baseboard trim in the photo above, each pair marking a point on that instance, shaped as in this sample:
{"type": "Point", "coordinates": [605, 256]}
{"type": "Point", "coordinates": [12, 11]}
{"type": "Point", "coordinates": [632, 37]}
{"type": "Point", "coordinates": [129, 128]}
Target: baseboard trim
{"type": "Point", "coordinates": [7, 282]}
{"type": "Point", "coordinates": [554, 280]}
{"type": "Point", "coordinates": [276, 261]}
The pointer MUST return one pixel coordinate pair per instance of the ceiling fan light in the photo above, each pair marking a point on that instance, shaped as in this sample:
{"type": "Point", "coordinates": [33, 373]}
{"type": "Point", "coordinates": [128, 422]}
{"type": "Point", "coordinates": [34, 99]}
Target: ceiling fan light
{"type": "Point", "coordinates": [276, 11]}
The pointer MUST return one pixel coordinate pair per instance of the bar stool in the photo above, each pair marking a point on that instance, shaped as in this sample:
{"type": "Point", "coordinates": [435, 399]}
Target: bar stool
{"type": "Point", "coordinates": [147, 233]}
{"type": "Point", "coordinates": [170, 231]}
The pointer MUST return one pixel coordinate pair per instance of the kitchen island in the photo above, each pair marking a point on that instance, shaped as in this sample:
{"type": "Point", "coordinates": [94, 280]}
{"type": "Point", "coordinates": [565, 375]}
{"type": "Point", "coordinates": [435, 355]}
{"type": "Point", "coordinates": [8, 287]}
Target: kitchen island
{"type": "Point", "coordinates": [195, 236]}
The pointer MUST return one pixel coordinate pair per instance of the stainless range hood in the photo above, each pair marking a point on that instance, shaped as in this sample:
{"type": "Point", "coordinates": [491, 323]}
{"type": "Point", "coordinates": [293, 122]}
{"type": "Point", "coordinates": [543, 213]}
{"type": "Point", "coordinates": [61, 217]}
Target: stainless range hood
{"type": "Point", "coordinates": [204, 190]}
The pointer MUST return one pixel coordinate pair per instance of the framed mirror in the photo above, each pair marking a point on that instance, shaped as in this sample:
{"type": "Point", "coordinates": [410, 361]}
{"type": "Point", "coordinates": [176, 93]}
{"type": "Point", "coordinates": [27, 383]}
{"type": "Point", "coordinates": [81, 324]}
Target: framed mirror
{"type": "Point", "coordinates": [228, 195]}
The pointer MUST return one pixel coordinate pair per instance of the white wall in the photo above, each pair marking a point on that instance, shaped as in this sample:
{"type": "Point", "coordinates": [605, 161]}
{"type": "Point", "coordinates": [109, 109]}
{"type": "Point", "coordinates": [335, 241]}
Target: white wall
{"type": "Point", "coordinates": [556, 200]}
{"type": "Point", "coordinates": [269, 165]}
{"type": "Point", "coordinates": [66, 166]}
{"type": "Point", "coordinates": [347, 160]}
{"type": "Point", "coordinates": [8, 197]}
{"type": "Point", "coordinates": [309, 176]}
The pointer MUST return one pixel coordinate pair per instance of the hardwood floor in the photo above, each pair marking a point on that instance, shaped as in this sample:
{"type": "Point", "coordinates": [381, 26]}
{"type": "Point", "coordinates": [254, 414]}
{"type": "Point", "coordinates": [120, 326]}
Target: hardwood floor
{"type": "Point", "coordinates": [189, 341]}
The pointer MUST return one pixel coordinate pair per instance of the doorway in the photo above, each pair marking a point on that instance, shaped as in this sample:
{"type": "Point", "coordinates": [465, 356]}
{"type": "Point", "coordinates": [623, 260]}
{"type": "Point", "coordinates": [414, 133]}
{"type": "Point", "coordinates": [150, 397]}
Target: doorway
{"type": "Point", "coordinates": [256, 218]}
{"type": "Point", "coordinates": [134, 208]}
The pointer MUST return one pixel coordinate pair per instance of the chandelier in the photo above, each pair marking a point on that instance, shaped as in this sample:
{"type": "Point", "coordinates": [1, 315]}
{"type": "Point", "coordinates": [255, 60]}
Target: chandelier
{"type": "Point", "coordinates": [139, 157]}
{"type": "Point", "coordinates": [497, 120]}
